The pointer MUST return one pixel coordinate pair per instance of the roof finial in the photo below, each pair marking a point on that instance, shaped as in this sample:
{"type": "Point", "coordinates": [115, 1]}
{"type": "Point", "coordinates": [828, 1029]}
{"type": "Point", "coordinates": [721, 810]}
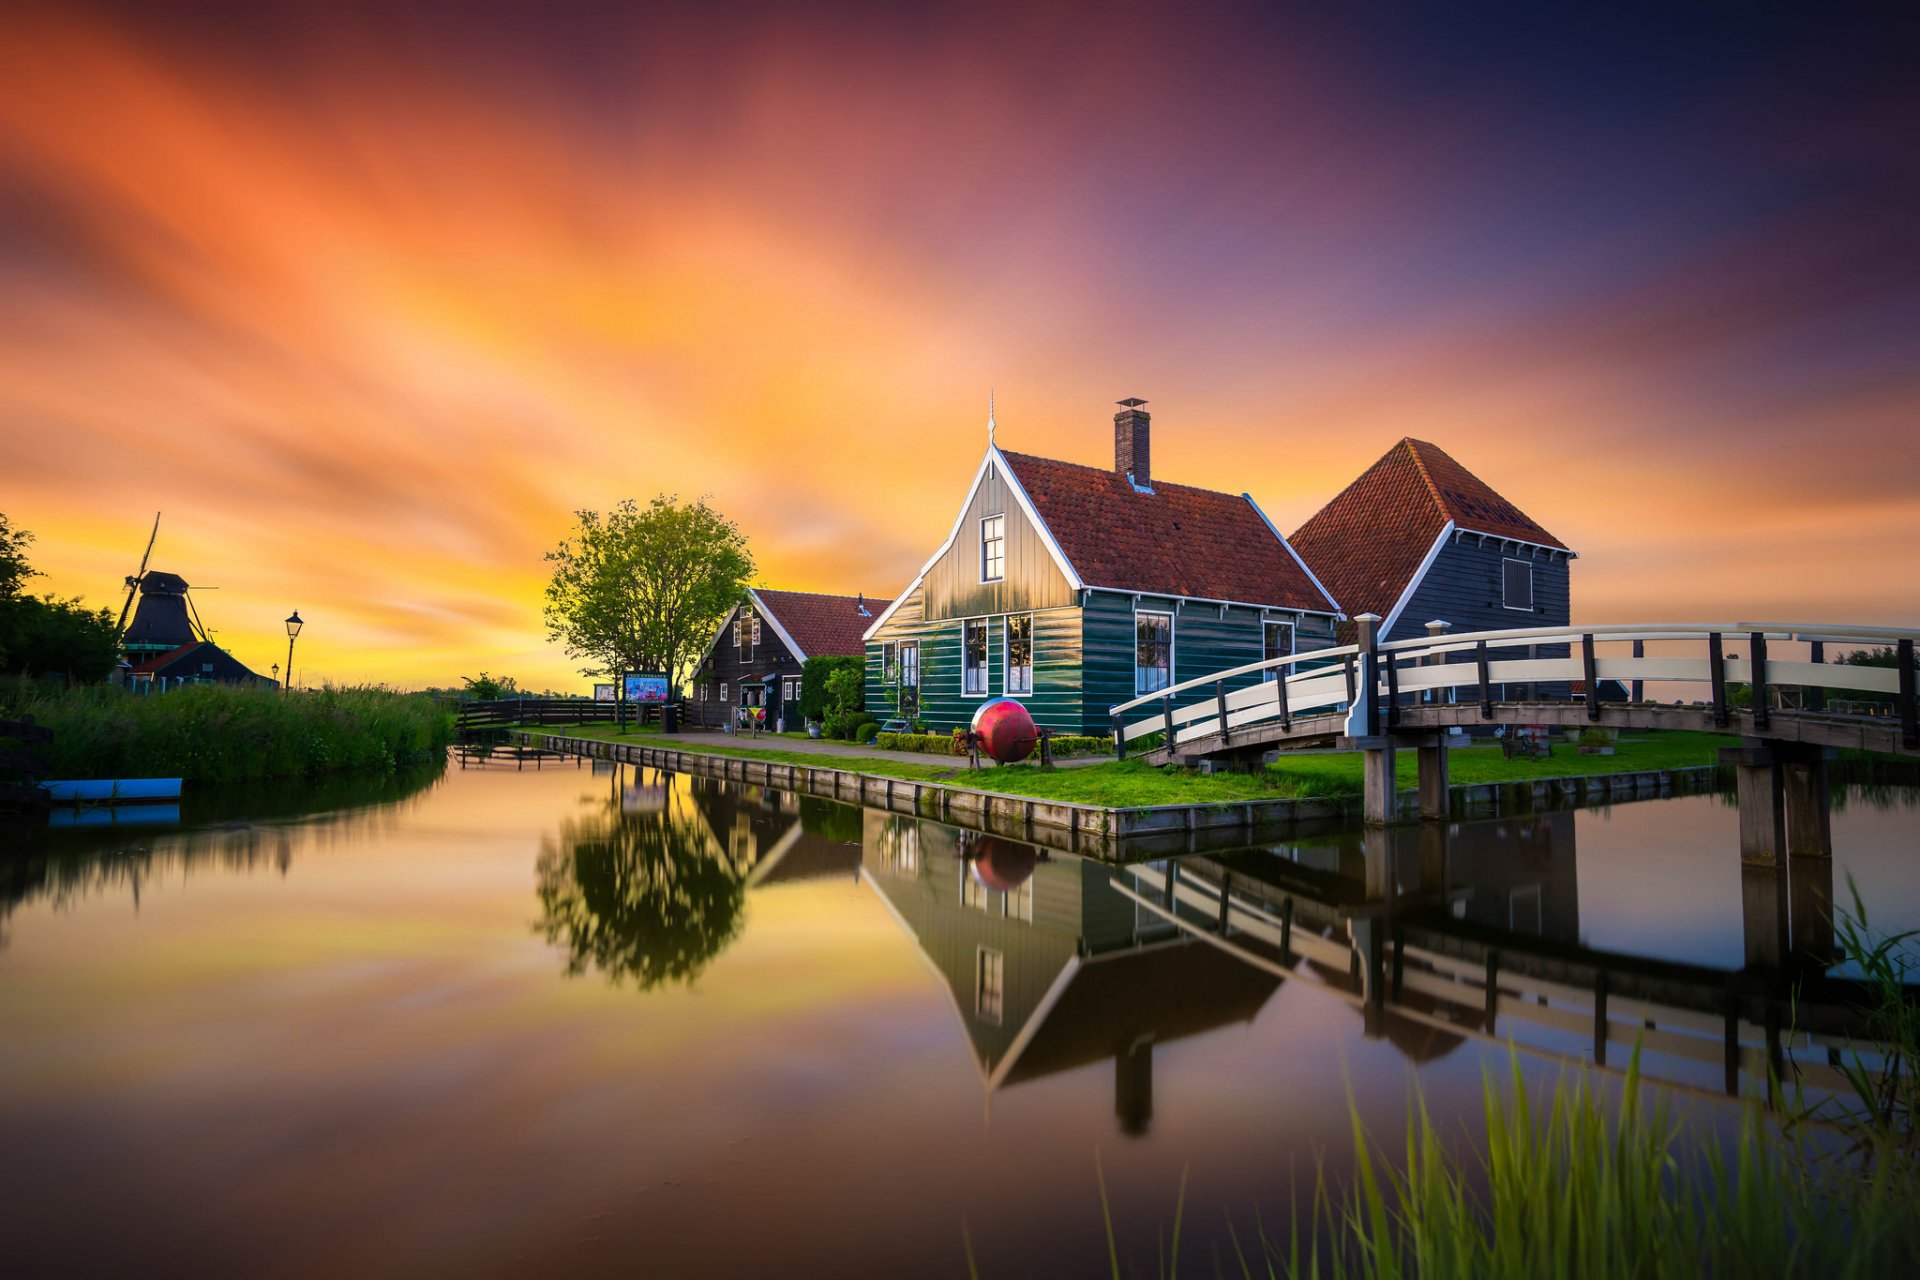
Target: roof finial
{"type": "Point", "coordinates": [990, 425]}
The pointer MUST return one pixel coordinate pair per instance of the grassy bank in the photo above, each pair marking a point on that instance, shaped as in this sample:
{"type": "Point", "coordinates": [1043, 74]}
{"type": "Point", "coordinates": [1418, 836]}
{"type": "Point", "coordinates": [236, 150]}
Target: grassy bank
{"type": "Point", "coordinates": [223, 733]}
{"type": "Point", "coordinates": [1129, 783]}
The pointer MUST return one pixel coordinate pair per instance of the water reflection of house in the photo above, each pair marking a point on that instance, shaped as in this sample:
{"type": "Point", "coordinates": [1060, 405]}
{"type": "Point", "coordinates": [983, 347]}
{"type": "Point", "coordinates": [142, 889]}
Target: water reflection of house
{"type": "Point", "coordinates": [779, 835]}
{"type": "Point", "coordinates": [1050, 968]}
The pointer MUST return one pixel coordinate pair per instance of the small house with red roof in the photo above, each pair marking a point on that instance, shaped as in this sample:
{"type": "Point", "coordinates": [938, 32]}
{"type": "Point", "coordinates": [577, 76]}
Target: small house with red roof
{"type": "Point", "coordinates": [754, 659]}
{"type": "Point", "coordinates": [1075, 588]}
{"type": "Point", "coordinates": [1419, 538]}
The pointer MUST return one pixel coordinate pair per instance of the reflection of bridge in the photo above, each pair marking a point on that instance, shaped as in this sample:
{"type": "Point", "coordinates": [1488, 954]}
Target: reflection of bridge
{"type": "Point", "coordinates": [1432, 957]}
{"type": "Point", "coordinates": [1435, 935]}
{"type": "Point", "coordinates": [1413, 693]}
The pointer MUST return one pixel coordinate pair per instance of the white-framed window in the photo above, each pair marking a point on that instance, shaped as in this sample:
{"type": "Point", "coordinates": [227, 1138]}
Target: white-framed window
{"type": "Point", "coordinates": [789, 689]}
{"type": "Point", "coordinates": [756, 628]}
{"type": "Point", "coordinates": [993, 548]}
{"type": "Point", "coordinates": [1019, 629]}
{"type": "Point", "coordinates": [723, 691]}
{"type": "Point", "coordinates": [889, 662]}
{"type": "Point", "coordinates": [973, 652]}
{"type": "Point", "coordinates": [1152, 651]}
{"type": "Point", "coordinates": [990, 985]}
{"type": "Point", "coordinates": [909, 659]}
{"type": "Point", "coordinates": [1276, 642]}
{"type": "Point", "coordinates": [736, 633]}
{"type": "Point", "coordinates": [1516, 581]}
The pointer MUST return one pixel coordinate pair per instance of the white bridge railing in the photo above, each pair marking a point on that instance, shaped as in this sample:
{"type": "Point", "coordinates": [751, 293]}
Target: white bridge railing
{"type": "Point", "coordinates": [1371, 683]}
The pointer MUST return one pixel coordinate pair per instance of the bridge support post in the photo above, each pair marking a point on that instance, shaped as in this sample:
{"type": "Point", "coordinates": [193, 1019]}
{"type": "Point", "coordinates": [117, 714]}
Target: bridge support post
{"type": "Point", "coordinates": [1810, 855]}
{"type": "Point", "coordinates": [1809, 808]}
{"type": "Point", "coordinates": [1810, 906]}
{"type": "Point", "coordinates": [1380, 806]}
{"type": "Point", "coordinates": [1763, 915]}
{"type": "Point", "coordinates": [1760, 786]}
{"type": "Point", "coordinates": [1436, 797]}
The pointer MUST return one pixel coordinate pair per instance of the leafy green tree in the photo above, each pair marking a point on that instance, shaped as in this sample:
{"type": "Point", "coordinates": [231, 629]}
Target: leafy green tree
{"type": "Point", "coordinates": [1886, 656]}
{"type": "Point", "coordinates": [644, 897]}
{"type": "Point", "coordinates": [14, 569]}
{"type": "Point", "coordinates": [642, 588]}
{"type": "Point", "coordinates": [49, 636]}
{"type": "Point", "coordinates": [44, 635]}
{"type": "Point", "coordinates": [487, 688]}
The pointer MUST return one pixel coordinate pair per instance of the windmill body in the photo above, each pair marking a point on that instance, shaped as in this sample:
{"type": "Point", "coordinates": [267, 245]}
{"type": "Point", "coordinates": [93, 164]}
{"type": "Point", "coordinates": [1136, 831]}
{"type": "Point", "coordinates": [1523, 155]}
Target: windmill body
{"type": "Point", "coordinates": [161, 623]}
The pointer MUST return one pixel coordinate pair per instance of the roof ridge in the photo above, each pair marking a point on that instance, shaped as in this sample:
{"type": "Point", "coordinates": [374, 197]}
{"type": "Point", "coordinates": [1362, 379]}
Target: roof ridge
{"type": "Point", "coordinates": [1420, 465]}
{"type": "Point", "coordinates": [1155, 483]}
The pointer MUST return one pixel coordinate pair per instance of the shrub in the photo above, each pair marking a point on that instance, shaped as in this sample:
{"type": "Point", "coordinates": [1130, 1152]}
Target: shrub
{"type": "Point", "coordinates": [1598, 736]}
{"type": "Point", "coordinates": [1075, 744]}
{"type": "Point", "coordinates": [932, 744]}
{"type": "Point", "coordinates": [821, 695]}
{"type": "Point", "coordinates": [865, 730]}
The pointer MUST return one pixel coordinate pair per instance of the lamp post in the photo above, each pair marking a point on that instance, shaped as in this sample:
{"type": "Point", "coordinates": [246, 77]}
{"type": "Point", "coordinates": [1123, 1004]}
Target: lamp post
{"type": "Point", "coordinates": [293, 630]}
{"type": "Point", "coordinates": [276, 674]}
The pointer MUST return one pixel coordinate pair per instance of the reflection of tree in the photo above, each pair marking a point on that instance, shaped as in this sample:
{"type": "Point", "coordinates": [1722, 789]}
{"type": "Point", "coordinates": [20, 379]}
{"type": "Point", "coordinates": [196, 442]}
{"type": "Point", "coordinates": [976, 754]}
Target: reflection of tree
{"type": "Point", "coordinates": [650, 897]}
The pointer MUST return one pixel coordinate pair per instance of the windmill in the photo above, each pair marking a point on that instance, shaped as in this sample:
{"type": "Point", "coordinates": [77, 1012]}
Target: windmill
{"type": "Point", "coordinates": [134, 580]}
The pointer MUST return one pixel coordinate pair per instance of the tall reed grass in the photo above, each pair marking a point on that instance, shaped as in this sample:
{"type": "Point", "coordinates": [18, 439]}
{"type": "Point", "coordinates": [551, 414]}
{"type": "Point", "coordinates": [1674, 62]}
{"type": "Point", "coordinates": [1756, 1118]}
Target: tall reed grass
{"type": "Point", "coordinates": [226, 733]}
{"type": "Point", "coordinates": [1580, 1187]}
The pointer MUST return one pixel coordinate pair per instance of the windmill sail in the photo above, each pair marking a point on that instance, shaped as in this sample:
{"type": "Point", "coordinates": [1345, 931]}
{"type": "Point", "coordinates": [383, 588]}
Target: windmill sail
{"type": "Point", "coordinates": [133, 583]}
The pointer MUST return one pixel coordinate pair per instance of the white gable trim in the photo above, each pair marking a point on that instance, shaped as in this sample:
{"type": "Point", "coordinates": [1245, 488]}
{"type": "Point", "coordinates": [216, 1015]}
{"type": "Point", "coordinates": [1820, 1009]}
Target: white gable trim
{"type": "Point", "coordinates": [799, 655]}
{"type": "Point", "coordinates": [1026, 508]}
{"type": "Point", "coordinates": [1319, 585]}
{"type": "Point", "coordinates": [1521, 542]}
{"type": "Point", "coordinates": [1419, 576]}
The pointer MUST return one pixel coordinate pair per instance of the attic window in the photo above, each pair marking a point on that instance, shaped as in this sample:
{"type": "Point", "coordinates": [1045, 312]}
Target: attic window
{"type": "Point", "coordinates": [1517, 584]}
{"type": "Point", "coordinates": [993, 548]}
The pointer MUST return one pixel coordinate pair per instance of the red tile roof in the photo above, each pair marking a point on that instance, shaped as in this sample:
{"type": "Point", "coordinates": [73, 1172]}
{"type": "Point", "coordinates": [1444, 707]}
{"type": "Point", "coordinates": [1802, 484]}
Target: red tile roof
{"type": "Point", "coordinates": [1175, 541]}
{"type": "Point", "coordinates": [1367, 543]}
{"type": "Point", "coordinates": [159, 661]}
{"type": "Point", "coordinates": [823, 625]}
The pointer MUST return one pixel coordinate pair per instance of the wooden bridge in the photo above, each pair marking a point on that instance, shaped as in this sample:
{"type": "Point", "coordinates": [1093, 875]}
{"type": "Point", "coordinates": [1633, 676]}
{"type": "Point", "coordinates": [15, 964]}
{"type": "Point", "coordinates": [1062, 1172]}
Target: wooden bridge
{"type": "Point", "coordinates": [1783, 698]}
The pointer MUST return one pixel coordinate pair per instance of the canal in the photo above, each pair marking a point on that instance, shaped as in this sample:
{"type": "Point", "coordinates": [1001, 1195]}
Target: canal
{"type": "Point", "coordinates": [532, 1016]}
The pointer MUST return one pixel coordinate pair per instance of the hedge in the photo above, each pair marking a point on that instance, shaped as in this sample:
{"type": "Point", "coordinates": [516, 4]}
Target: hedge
{"type": "Point", "coordinates": [941, 744]}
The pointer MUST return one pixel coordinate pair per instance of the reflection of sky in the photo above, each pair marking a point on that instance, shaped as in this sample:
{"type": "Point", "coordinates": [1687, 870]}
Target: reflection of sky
{"type": "Point", "coordinates": [322, 284]}
{"type": "Point", "coordinates": [1663, 880]}
{"type": "Point", "coordinates": [374, 1058]}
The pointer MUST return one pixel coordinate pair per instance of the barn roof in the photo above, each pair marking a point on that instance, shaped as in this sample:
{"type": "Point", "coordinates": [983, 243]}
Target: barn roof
{"type": "Point", "coordinates": [1174, 540]}
{"type": "Point", "coordinates": [821, 625]}
{"type": "Point", "coordinates": [1370, 541]}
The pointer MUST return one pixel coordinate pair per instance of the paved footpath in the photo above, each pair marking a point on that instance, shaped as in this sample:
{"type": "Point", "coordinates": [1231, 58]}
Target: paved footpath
{"type": "Point", "coordinates": [698, 740]}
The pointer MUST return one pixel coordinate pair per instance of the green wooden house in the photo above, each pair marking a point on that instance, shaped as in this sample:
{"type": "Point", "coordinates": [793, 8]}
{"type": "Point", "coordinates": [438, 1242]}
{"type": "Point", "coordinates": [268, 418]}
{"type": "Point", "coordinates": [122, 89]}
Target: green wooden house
{"type": "Point", "coordinates": [1075, 588]}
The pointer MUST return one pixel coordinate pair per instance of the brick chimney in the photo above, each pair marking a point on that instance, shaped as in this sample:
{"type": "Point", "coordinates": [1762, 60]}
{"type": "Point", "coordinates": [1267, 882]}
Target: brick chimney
{"type": "Point", "coordinates": [1131, 440]}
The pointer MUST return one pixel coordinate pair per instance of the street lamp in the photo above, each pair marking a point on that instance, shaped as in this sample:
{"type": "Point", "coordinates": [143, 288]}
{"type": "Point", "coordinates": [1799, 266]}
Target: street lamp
{"type": "Point", "coordinates": [276, 674]}
{"type": "Point", "coordinates": [293, 629]}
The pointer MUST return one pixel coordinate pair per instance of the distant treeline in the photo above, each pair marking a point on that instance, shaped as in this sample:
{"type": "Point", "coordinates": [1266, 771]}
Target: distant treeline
{"type": "Point", "coordinates": [228, 733]}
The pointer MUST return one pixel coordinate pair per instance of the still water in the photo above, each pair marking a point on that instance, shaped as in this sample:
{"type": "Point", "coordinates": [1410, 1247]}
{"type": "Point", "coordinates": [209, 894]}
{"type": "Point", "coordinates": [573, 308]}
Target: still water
{"type": "Point", "coordinates": [608, 1020]}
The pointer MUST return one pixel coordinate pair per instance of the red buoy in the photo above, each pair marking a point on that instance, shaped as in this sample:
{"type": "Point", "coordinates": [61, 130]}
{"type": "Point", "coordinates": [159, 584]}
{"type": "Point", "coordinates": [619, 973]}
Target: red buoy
{"type": "Point", "coordinates": [1007, 733]}
{"type": "Point", "coordinates": [1002, 865]}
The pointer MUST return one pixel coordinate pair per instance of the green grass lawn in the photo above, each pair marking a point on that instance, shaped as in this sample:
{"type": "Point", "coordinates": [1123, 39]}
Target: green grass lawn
{"type": "Point", "coordinates": [1129, 783]}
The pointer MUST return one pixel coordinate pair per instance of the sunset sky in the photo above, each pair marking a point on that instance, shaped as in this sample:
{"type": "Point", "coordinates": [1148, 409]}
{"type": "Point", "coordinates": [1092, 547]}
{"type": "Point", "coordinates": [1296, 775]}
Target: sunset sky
{"type": "Point", "coordinates": [369, 304]}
